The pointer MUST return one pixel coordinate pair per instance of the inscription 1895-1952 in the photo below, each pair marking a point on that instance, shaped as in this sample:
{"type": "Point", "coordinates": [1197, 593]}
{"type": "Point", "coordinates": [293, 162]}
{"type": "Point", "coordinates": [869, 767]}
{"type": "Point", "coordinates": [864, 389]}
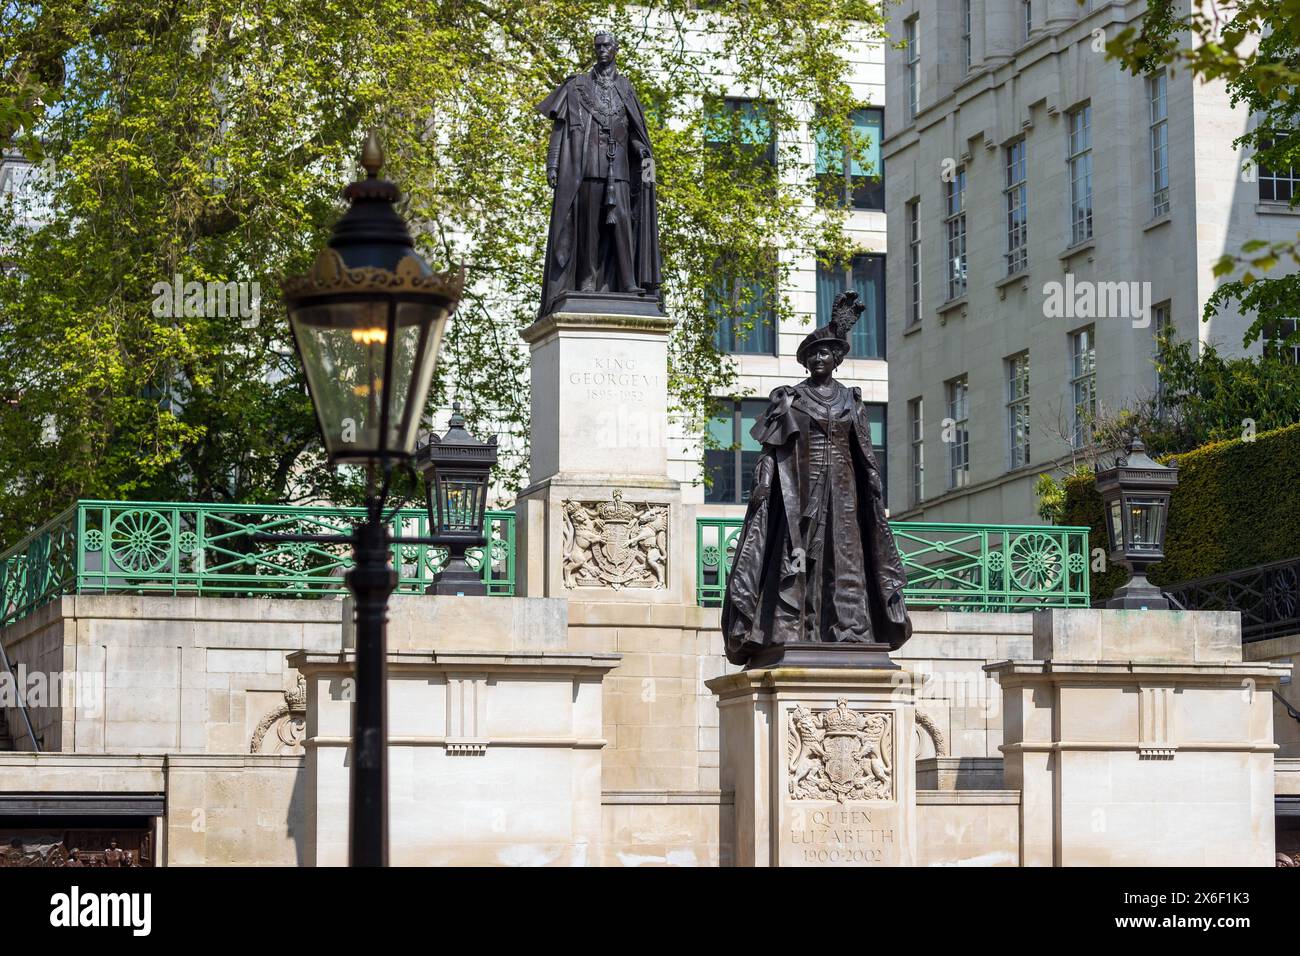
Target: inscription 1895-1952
{"type": "Point", "coordinates": [615, 379]}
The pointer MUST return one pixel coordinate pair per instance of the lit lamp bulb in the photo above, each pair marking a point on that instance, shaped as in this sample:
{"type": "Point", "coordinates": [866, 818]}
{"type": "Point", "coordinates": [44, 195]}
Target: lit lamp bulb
{"type": "Point", "coordinates": [374, 336]}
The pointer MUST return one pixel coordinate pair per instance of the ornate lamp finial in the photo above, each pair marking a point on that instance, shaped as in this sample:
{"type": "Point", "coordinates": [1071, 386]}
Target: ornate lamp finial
{"type": "Point", "coordinates": [372, 155]}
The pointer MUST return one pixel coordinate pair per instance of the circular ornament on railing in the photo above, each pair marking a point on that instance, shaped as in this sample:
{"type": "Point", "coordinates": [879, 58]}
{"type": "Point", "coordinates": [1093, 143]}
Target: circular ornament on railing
{"type": "Point", "coordinates": [300, 549]}
{"type": "Point", "coordinates": [94, 539]}
{"type": "Point", "coordinates": [710, 556]}
{"type": "Point", "coordinates": [1075, 563]}
{"type": "Point", "coordinates": [188, 542]}
{"type": "Point", "coordinates": [1282, 593]}
{"type": "Point", "coordinates": [410, 554]}
{"type": "Point", "coordinates": [1035, 561]}
{"type": "Point", "coordinates": [996, 561]}
{"type": "Point", "coordinates": [140, 541]}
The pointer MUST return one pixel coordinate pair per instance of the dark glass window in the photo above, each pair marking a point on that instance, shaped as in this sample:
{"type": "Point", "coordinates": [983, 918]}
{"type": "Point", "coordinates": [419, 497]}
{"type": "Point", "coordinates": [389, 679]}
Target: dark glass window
{"type": "Point", "coordinates": [1277, 185]}
{"type": "Point", "coordinates": [730, 466]}
{"type": "Point", "coordinates": [744, 124]}
{"type": "Point", "coordinates": [876, 413]}
{"type": "Point", "coordinates": [745, 316]}
{"type": "Point", "coordinates": [855, 177]}
{"type": "Point", "coordinates": [866, 275]}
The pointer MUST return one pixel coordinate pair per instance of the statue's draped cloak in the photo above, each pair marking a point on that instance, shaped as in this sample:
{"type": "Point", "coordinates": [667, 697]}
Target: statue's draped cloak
{"type": "Point", "coordinates": [768, 600]}
{"type": "Point", "coordinates": [566, 106]}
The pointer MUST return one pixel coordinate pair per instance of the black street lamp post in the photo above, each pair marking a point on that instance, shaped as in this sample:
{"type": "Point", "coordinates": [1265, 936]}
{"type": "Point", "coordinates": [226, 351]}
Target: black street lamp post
{"type": "Point", "coordinates": [456, 470]}
{"type": "Point", "coordinates": [1135, 495]}
{"type": "Point", "coordinates": [367, 321]}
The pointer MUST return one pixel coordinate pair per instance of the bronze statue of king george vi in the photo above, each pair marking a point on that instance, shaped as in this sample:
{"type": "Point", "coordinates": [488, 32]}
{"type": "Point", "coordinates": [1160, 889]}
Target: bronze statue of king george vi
{"type": "Point", "coordinates": [604, 234]}
{"type": "Point", "coordinates": [816, 579]}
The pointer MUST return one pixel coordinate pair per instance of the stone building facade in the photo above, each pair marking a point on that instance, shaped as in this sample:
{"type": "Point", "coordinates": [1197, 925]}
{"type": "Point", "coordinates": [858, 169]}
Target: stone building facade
{"type": "Point", "coordinates": [1048, 212]}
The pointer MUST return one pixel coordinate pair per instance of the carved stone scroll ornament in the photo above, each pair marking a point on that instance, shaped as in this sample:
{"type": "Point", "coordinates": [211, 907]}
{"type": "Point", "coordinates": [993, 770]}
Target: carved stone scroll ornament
{"type": "Point", "coordinates": [840, 754]}
{"type": "Point", "coordinates": [925, 724]}
{"type": "Point", "coordinates": [615, 544]}
{"type": "Point", "coordinates": [289, 721]}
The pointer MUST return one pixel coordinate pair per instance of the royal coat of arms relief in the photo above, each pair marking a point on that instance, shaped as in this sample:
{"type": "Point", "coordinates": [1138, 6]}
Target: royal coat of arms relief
{"type": "Point", "coordinates": [840, 754]}
{"type": "Point", "coordinates": [615, 544]}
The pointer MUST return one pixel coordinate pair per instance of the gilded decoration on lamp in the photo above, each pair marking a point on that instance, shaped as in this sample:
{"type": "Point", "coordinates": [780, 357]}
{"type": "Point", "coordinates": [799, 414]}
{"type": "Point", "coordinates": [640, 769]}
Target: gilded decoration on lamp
{"type": "Point", "coordinates": [329, 274]}
{"type": "Point", "coordinates": [840, 754]}
{"type": "Point", "coordinates": [615, 544]}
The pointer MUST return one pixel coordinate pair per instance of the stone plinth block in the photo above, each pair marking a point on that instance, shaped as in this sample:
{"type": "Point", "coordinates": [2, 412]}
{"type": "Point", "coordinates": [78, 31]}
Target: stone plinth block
{"type": "Point", "coordinates": [599, 538]}
{"type": "Point", "coordinates": [1134, 759]}
{"type": "Point", "coordinates": [821, 763]}
{"type": "Point", "coordinates": [494, 758]}
{"type": "Point", "coordinates": [599, 394]}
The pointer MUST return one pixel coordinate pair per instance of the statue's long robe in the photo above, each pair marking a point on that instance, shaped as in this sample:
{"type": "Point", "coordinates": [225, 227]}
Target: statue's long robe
{"type": "Point", "coordinates": [834, 597]}
{"type": "Point", "coordinates": [567, 107]}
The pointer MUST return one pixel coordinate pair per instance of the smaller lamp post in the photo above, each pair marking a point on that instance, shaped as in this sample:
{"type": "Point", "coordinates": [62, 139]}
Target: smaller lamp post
{"type": "Point", "coordinates": [1135, 495]}
{"type": "Point", "coordinates": [456, 469]}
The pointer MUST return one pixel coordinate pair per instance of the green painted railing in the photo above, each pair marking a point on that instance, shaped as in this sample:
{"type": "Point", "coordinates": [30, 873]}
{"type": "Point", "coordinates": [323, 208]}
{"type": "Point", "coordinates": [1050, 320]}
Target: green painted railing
{"type": "Point", "coordinates": [98, 547]}
{"type": "Point", "coordinates": [964, 567]}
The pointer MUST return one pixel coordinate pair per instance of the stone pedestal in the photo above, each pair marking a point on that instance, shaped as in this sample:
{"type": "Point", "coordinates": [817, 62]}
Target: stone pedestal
{"type": "Point", "coordinates": [495, 733]}
{"type": "Point", "coordinates": [600, 520]}
{"type": "Point", "coordinates": [822, 764]}
{"type": "Point", "coordinates": [599, 395]}
{"type": "Point", "coordinates": [1139, 738]}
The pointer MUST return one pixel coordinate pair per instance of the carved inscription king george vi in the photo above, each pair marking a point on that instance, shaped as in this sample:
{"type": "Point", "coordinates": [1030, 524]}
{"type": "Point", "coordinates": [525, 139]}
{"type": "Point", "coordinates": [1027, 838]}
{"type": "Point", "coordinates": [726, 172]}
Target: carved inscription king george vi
{"type": "Point", "coordinates": [615, 544]}
{"type": "Point", "coordinates": [840, 754]}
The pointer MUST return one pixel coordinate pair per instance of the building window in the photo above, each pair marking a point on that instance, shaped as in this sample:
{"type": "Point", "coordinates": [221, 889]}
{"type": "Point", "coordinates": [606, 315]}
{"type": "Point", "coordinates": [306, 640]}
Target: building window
{"type": "Point", "coordinates": [1159, 329]}
{"type": "Point", "coordinates": [853, 178]}
{"type": "Point", "coordinates": [1027, 17]}
{"type": "Point", "coordinates": [1017, 209]}
{"type": "Point", "coordinates": [876, 417]}
{"type": "Point", "coordinates": [1080, 163]}
{"type": "Point", "coordinates": [916, 451]}
{"type": "Point", "coordinates": [1083, 384]}
{"type": "Point", "coordinates": [1287, 328]}
{"type": "Point", "coordinates": [743, 129]}
{"type": "Point", "coordinates": [913, 68]}
{"type": "Point", "coordinates": [1277, 185]}
{"type": "Point", "coordinates": [1018, 410]}
{"type": "Point", "coordinates": [865, 274]}
{"type": "Point", "coordinates": [965, 34]}
{"type": "Point", "coordinates": [730, 465]}
{"type": "Point", "coordinates": [957, 433]}
{"type": "Point", "coordinates": [955, 225]}
{"type": "Point", "coordinates": [1157, 88]}
{"type": "Point", "coordinates": [744, 316]}
{"type": "Point", "coordinates": [914, 260]}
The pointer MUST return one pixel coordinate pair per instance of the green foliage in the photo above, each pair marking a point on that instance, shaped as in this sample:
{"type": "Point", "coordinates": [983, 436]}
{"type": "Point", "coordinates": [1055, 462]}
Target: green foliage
{"type": "Point", "coordinates": [1237, 505]}
{"type": "Point", "coordinates": [1211, 398]}
{"type": "Point", "coordinates": [209, 138]}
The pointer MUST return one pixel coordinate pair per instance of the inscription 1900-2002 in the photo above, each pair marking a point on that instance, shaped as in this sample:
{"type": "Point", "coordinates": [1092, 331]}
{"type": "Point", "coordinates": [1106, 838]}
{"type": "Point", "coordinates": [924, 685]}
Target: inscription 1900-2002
{"type": "Point", "coordinates": [840, 836]}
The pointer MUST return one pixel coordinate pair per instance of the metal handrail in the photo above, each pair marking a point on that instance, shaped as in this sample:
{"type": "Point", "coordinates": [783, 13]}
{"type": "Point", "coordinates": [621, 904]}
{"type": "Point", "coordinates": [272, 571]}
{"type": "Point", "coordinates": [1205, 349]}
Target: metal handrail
{"type": "Point", "coordinates": [22, 699]}
{"type": "Point", "coordinates": [158, 547]}
{"type": "Point", "coordinates": [953, 565]}
{"type": "Point", "coordinates": [1267, 596]}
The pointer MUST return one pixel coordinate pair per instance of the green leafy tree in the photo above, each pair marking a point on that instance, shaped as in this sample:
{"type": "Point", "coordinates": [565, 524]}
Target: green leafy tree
{"type": "Point", "coordinates": [209, 139]}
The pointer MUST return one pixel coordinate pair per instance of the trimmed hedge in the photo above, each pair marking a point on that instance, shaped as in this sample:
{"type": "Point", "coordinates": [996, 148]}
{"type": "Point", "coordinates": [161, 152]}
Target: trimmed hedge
{"type": "Point", "coordinates": [1237, 505]}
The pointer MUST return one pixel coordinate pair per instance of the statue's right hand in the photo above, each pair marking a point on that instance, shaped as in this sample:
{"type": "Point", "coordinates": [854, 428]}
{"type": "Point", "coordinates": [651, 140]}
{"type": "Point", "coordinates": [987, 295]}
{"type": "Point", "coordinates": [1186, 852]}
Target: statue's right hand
{"type": "Point", "coordinates": [551, 177]}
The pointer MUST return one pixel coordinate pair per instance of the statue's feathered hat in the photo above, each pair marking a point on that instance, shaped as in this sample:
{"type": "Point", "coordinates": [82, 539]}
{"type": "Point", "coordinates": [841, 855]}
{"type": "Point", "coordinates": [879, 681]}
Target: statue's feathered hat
{"type": "Point", "coordinates": [844, 315]}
